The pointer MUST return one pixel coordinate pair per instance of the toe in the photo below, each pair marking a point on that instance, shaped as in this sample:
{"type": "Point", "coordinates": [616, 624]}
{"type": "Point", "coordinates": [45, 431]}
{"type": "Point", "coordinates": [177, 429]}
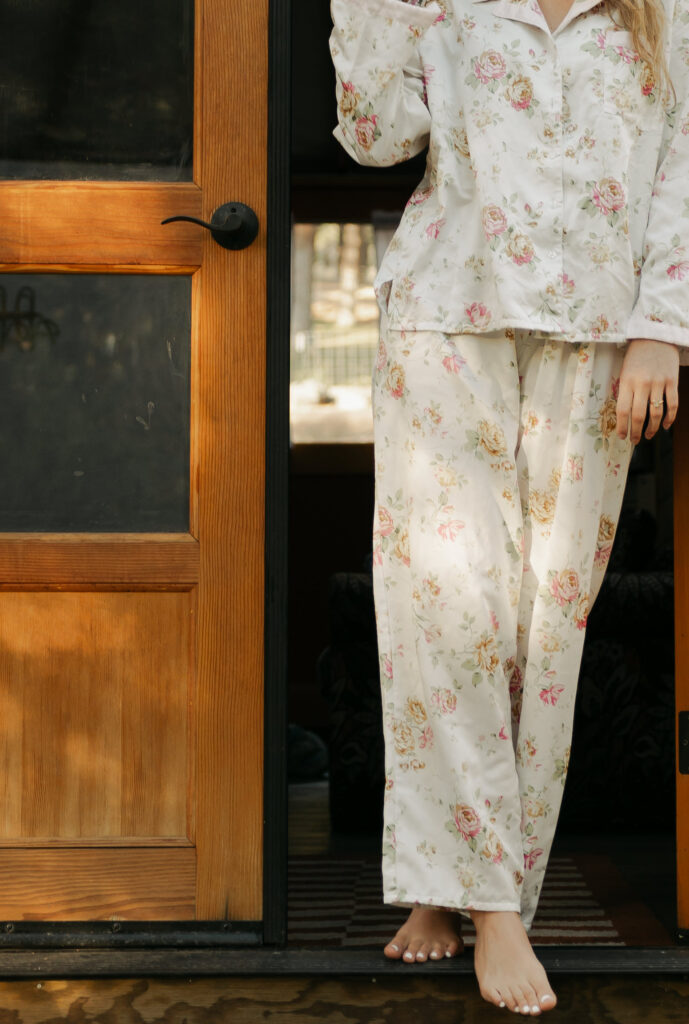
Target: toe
{"type": "Point", "coordinates": [396, 947]}
{"type": "Point", "coordinates": [423, 951]}
{"type": "Point", "coordinates": [436, 952]}
{"type": "Point", "coordinates": [411, 950]}
{"type": "Point", "coordinates": [547, 1000]}
{"type": "Point", "coordinates": [513, 1001]}
{"type": "Point", "coordinates": [533, 1001]}
{"type": "Point", "coordinates": [454, 947]}
{"type": "Point", "coordinates": [492, 995]}
{"type": "Point", "coordinates": [526, 998]}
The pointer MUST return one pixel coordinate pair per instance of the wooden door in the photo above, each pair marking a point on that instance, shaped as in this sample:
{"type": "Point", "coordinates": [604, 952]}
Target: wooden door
{"type": "Point", "coordinates": [132, 521]}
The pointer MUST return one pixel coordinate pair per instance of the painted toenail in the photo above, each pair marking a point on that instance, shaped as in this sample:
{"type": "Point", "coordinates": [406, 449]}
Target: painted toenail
{"type": "Point", "coordinates": [448, 953]}
{"type": "Point", "coordinates": [435, 955]}
{"type": "Point", "coordinates": [408, 956]}
{"type": "Point", "coordinates": [525, 1009]}
{"type": "Point", "coordinates": [396, 948]}
{"type": "Point", "coordinates": [501, 1003]}
{"type": "Point", "coordinates": [543, 998]}
{"type": "Point", "coordinates": [535, 1009]}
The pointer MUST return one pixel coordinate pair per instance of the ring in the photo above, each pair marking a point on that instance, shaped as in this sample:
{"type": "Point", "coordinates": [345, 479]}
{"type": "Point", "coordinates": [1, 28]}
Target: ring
{"type": "Point", "coordinates": [657, 405]}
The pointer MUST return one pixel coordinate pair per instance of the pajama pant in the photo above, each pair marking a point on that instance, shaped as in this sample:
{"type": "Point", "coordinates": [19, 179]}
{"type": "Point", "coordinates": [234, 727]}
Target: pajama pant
{"type": "Point", "coordinates": [499, 481]}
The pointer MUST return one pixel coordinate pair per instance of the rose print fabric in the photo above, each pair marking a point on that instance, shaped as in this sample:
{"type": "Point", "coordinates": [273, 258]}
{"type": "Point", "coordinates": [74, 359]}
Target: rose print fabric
{"type": "Point", "coordinates": [555, 195]}
{"type": "Point", "coordinates": [499, 480]}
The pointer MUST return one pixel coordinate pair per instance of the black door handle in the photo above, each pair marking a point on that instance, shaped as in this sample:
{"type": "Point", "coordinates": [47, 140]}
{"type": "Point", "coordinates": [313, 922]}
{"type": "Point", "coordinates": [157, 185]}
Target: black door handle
{"type": "Point", "coordinates": [233, 225]}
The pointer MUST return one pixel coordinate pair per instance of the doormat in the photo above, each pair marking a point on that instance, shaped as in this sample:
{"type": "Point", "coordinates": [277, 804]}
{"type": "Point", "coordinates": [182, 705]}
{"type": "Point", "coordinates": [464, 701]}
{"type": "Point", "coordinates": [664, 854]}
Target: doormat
{"type": "Point", "coordinates": [336, 902]}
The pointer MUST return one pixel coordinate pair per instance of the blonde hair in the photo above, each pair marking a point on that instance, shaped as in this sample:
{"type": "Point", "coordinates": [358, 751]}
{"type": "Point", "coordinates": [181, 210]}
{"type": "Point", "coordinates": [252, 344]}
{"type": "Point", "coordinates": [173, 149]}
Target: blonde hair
{"type": "Point", "coordinates": [645, 20]}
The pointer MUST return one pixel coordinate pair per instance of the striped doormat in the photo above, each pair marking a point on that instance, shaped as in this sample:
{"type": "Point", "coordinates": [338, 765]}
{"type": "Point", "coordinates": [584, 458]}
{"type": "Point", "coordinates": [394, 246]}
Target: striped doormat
{"type": "Point", "coordinates": [337, 902]}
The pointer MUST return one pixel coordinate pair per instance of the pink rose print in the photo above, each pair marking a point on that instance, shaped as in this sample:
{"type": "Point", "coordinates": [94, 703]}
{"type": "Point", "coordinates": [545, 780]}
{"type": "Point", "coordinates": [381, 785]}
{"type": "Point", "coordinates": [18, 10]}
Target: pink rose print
{"type": "Point", "coordinates": [387, 667]}
{"type": "Point", "coordinates": [350, 98]}
{"type": "Point", "coordinates": [503, 734]}
{"type": "Point", "coordinates": [581, 612]}
{"type": "Point", "coordinates": [627, 55]}
{"type": "Point", "coordinates": [516, 680]}
{"type": "Point", "coordinates": [381, 356]}
{"type": "Point", "coordinates": [494, 220]}
{"type": "Point", "coordinates": [520, 249]}
{"type": "Point", "coordinates": [426, 738]}
{"type": "Point", "coordinates": [608, 195]}
{"type": "Point", "coordinates": [575, 467]}
{"type": "Point", "coordinates": [678, 271]}
{"type": "Point", "coordinates": [479, 315]}
{"type": "Point", "coordinates": [449, 529]}
{"type": "Point", "coordinates": [565, 587]}
{"type": "Point", "coordinates": [365, 130]}
{"type": "Point", "coordinates": [420, 196]}
{"type": "Point", "coordinates": [489, 66]}
{"type": "Point", "coordinates": [494, 620]}
{"type": "Point", "coordinates": [385, 522]}
{"type": "Point", "coordinates": [445, 700]}
{"type": "Point", "coordinates": [467, 821]}
{"type": "Point", "coordinates": [530, 858]}
{"type": "Point", "coordinates": [567, 285]}
{"type": "Point", "coordinates": [600, 40]}
{"type": "Point", "coordinates": [551, 694]}
{"type": "Point", "coordinates": [433, 229]}
{"type": "Point", "coordinates": [454, 362]}
{"type": "Point", "coordinates": [428, 71]}
{"type": "Point", "coordinates": [396, 380]}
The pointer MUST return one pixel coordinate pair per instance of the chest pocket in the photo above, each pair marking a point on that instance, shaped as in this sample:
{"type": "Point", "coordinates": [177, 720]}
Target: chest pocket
{"type": "Point", "coordinates": [630, 90]}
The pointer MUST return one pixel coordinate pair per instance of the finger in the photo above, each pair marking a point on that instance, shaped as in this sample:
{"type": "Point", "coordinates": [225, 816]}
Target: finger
{"type": "Point", "coordinates": [655, 413]}
{"type": "Point", "coordinates": [639, 407]}
{"type": "Point", "coordinates": [671, 403]}
{"type": "Point", "coordinates": [624, 406]}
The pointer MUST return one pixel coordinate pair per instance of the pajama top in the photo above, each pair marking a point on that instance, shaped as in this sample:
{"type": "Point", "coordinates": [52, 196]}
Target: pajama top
{"type": "Point", "coordinates": [556, 192]}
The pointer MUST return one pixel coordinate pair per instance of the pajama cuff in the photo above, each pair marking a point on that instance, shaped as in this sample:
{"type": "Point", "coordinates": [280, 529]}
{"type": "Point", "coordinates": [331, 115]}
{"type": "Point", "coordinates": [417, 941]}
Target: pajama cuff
{"type": "Point", "coordinates": [640, 326]}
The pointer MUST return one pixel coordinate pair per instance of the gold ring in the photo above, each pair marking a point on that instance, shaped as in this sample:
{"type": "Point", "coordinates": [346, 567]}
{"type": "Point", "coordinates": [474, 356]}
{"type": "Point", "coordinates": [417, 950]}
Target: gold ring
{"type": "Point", "coordinates": [657, 405]}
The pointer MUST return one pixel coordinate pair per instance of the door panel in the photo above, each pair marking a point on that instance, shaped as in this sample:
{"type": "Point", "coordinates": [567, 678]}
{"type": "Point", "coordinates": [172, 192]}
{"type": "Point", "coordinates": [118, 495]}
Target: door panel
{"type": "Point", "coordinates": [131, 643]}
{"type": "Point", "coordinates": [94, 391]}
{"type": "Point", "coordinates": [92, 89]}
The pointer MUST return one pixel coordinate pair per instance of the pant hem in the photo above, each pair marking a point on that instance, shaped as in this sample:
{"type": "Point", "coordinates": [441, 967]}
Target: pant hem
{"type": "Point", "coordinates": [392, 901]}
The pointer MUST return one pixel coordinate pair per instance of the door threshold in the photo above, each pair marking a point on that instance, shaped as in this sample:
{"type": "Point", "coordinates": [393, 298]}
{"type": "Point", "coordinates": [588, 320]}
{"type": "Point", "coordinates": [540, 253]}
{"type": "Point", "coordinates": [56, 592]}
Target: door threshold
{"type": "Point", "coordinates": [161, 963]}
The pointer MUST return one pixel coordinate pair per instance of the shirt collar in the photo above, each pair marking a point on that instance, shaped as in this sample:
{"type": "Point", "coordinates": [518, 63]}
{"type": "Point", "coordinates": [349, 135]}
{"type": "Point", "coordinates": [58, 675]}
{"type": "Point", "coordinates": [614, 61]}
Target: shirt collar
{"type": "Point", "coordinates": [529, 11]}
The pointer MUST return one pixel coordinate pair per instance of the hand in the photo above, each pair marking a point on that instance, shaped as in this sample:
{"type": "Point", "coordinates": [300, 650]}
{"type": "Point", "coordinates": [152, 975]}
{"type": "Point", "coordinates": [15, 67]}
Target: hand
{"type": "Point", "coordinates": [650, 370]}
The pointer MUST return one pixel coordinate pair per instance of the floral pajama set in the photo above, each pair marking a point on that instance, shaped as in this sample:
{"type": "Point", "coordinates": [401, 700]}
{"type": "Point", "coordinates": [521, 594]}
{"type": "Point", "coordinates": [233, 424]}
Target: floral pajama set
{"type": "Point", "coordinates": [551, 226]}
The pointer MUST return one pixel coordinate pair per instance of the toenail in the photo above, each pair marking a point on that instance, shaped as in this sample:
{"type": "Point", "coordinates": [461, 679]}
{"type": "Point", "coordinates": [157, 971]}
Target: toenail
{"type": "Point", "coordinates": [501, 1003]}
{"type": "Point", "coordinates": [535, 1009]}
{"type": "Point", "coordinates": [525, 1009]}
{"type": "Point", "coordinates": [408, 956]}
{"type": "Point", "coordinates": [396, 948]}
{"type": "Point", "coordinates": [543, 998]}
{"type": "Point", "coordinates": [448, 953]}
{"type": "Point", "coordinates": [435, 955]}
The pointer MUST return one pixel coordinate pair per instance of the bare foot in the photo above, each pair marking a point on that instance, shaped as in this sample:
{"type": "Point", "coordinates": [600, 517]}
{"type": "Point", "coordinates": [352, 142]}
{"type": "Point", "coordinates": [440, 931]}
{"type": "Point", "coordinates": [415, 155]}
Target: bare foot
{"type": "Point", "coordinates": [426, 933]}
{"type": "Point", "coordinates": [508, 972]}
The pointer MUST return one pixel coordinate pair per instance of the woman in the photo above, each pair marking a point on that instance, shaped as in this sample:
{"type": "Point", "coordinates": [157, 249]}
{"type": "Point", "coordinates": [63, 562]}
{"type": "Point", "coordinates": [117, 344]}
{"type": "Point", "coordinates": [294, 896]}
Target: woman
{"type": "Point", "coordinates": [533, 311]}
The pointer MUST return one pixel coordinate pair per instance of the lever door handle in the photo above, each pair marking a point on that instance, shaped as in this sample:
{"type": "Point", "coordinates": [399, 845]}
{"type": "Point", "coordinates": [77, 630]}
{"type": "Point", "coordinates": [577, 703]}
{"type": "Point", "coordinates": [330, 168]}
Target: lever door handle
{"type": "Point", "coordinates": [233, 225]}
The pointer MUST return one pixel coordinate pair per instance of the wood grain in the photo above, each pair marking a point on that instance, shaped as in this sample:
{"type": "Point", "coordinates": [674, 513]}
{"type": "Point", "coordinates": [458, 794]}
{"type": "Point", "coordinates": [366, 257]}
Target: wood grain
{"type": "Point", "coordinates": [94, 714]}
{"type": "Point", "coordinates": [681, 548]}
{"type": "Point", "coordinates": [92, 557]}
{"type": "Point", "coordinates": [45, 224]}
{"type": "Point", "coordinates": [232, 80]}
{"type": "Point", "coordinates": [97, 885]}
{"type": "Point", "coordinates": [593, 1000]}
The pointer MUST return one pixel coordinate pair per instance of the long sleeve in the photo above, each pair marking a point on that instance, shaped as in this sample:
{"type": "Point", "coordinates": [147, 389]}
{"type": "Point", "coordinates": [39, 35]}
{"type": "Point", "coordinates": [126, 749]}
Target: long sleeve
{"type": "Point", "coordinates": [662, 308]}
{"type": "Point", "coordinates": [382, 113]}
